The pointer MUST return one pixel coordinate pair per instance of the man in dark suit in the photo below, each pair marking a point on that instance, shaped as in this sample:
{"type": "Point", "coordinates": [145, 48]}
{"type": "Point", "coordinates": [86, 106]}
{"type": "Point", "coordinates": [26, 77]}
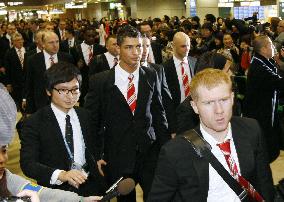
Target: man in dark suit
{"type": "Point", "coordinates": [70, 43]}
{"type": "Point", "coordinates": [165, 92]}
{"type": "Point", "coordinates": [57, 141]}
{"type": "Point", "coordinates": [107, 60]}
{"type": "Point", "coordinates": [61, 30]}
{"type": "Point", "coordinates": [178, 68]}
{"type": "Point", "coordinates": [37, 64]}
{"type": "Point", "coordinates": [85, 53]}
{"type": "Point", "coordinates": [183, 175]}
{"type": "Point", "coordinates": [262, 94]}
{"type": "Point", "coordinates": [126, 107]}
{"type": "Point", "coordinates": [14, 64]}
{"type": "Point", "coordinates": [155, 52]}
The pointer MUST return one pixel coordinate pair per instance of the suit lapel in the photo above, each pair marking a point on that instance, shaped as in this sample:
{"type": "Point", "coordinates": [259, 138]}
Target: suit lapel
{"type": "Point", "coordinates": [244, 153]}
{"type": "Point", "coordinates": [201, 166]}
{"type": "Point", "coordinates": [55, 132]}
{"type": "Point", "coordinates": [143, 91]}
{"type": "Point", "coordinates": [105, 62]}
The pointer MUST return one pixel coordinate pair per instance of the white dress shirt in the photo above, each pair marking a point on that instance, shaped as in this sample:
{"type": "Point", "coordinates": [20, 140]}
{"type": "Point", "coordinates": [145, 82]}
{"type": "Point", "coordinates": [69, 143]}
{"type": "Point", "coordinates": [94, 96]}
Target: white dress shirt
{"type": "Point", "coordinates": [47, 59]}
{"type": "Point", "coordinates": [86, 51]}
{"type": "Point", "coordinates": [78, 140]}
{"type": "Point", "coordinates": [151, 57]}
{"type": "Point", "coordinates": [121, 80]}
{"type": "Point", "coordinates": [23, 51]}
{"type": "Point", "coordinates": [38, 50]}
{"type": "Point", "coordinates": [187, 70]}
{"type": "Point", "coordinates": [71, 42]}
{"type": "Point", "coordinates": [219, 190]}
{"type": "Point", "coordinates": [110, 59]}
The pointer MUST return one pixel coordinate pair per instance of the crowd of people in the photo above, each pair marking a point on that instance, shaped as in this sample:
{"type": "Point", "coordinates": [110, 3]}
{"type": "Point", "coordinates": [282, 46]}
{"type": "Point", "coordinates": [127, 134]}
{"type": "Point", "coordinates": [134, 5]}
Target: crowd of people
{"type": "Point", "coordinates": [141, 85]}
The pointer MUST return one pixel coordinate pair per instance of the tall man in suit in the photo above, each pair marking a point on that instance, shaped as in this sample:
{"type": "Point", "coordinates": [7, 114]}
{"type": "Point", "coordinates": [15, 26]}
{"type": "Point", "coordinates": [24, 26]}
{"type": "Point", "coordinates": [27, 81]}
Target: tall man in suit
{"type": "Point", "coordinates": [179, 69]}
{"type": "Point", "coordinates": [107, 60]}
{"type": "Point", "coordinates": [37, 64]}
{"type": "Point", "coordinates": [262, 94]}
{"type": "Point", "coordinates": [57, 141]}
{"type": "Point", "coordinates": [61, 30]}
{"type": "Point", "coordinates": [183, 175]}
{"type": "Point", "coordinates": [165, 92]}
{"type": "Point", "coordinates": [6, 43]}
{"type": "Point", "coordinates": [85, 53]}
{"type": "Point", "coordinates": [126, 107]}
{"type": "Point", "coordinates": [14, 63]}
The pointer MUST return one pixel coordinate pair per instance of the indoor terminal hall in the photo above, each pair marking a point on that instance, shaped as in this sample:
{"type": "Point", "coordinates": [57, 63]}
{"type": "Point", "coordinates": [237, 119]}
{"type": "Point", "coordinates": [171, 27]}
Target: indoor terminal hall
{"type": "Point", "coordinates": [142, 100]}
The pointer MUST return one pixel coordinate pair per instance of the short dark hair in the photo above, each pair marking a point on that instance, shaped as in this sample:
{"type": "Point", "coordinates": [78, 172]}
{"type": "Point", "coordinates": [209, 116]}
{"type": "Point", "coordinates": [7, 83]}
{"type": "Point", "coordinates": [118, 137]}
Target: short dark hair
{"type": "Point", "coordinates": [127, 31]}
{"type": "Point", "coordinates": [208, 26]}
{"type": "Point", "coordinates": [61, 72]}
{"type": "Point", "coordinates": [210, 17]}
{"type": "Point", "coordinates": [70, 31]}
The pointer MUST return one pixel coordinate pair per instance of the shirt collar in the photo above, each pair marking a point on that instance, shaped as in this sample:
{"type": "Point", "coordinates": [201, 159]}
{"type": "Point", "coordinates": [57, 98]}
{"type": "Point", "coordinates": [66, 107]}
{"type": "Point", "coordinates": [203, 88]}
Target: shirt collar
{"type": "Point", "coordinates": [46, 55]}
{"type": "Point", "coordinates": [107, 54]}
{"type": "Point", "coordinates": [144, 64]}
{"type": "Point", "coordinates": [86, 45]}
{"type": "Point", "coordinates": [178, 61]}
{"type": "Point", "coordinates": [210, 139]}
{"type": "Point", "coordinates": [124, 74]}
{"type": "Point", "coordinates": [60, 113]}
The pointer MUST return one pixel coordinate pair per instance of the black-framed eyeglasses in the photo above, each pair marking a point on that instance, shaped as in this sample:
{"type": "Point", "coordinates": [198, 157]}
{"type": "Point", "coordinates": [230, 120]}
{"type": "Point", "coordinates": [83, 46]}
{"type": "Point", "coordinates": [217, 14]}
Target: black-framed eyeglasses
{"type": "Point", "coordinates": [74, 91]}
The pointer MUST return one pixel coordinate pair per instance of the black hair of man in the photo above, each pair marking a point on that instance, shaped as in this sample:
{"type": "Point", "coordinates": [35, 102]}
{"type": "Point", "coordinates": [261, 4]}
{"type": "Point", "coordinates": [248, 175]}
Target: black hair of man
{"type": "Point", "coordinates": [70, 31]}
{"type": "Point", "coordinates": [127, 31]}
{"type": "Point", "coordinates": [211, 18]}
{"type": "Point", "coordinates": [143, 24]}
{"type": "Point", "coordinates": [61, 72]}
{"type": "Point", "coordinates": [208, 26]}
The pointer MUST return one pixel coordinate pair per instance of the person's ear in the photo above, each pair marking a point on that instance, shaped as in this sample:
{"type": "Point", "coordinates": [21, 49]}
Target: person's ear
{"type": "Point", "coordinates": [48, 93]}
{"type": "Point", "coordinates": [194, 107]}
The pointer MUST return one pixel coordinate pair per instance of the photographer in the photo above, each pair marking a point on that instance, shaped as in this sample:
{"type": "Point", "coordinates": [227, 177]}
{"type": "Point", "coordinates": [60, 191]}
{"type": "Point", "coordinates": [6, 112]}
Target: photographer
{"type": "Point", "coordinates": [14, 185]}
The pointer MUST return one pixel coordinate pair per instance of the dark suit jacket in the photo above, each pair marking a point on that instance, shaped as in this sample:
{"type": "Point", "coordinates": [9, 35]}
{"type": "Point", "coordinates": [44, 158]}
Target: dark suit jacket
{"type": "Point", "coordinates": [172, 77]}
{"type": "Point", "coordinates": [166, 96]}
{"type": "Point", "coordinates": [98, 64]}
{"type": "Point", "coordinates": [64, 47]}
{"type": "Point", "coordinates": [35, 85]}
{"type": "Point", "coordinates": [181, 175]}
{"type": "Point", "coordinates": [262, 82]}
{"type": "Point", "coordinates": [157, 51]}
{"type": "Point", "coordinates": [43, 149]}
{"type": "Point", "coordinates": [4, 46]}
{"type": "Point", "coordinates": [119, 134]}
{"type": "Point", "coordinates": [14, 69]}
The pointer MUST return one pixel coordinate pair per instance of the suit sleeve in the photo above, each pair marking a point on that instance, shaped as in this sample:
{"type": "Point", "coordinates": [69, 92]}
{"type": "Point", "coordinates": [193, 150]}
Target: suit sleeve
{"type": "Point", "coordinates": [158, 113]}
{"type": "Point", "coordinates": [30, 152]}
{"type": "Point", "coordinates": [264, 176]}
{"type": "Point", "coordinates": [28, 89]}
{"type": "Point", "coordinates": [93, 104]}
{"type": "Point", "coordinates": [165, 182]}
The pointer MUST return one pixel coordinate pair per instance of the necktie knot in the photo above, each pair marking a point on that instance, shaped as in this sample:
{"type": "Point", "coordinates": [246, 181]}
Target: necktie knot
{"type": "Point", "coordinates": [130, 77]}
{"type": "Point", "coordinates": [67, 118]}
{"type": "Point", "coordinates": [225, 147]}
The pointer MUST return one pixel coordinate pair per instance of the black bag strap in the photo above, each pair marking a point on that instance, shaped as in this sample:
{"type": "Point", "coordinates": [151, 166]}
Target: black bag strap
{"type": "Point", "coordinates": [203, 149]}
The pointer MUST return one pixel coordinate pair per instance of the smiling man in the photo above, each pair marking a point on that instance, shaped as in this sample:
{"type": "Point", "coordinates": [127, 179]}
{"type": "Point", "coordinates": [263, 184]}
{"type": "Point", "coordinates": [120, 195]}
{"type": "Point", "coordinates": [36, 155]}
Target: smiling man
{"type": "Point", "coordinates": [180, 169]}
{"type": "Point", "coordinates": [56, 146]}
{"type": "Point", "coordinates": [125, 103]}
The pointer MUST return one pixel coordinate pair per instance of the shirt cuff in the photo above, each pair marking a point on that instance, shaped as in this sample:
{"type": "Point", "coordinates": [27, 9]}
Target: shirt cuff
{"type": "Point", "coordinates": [54, 177]}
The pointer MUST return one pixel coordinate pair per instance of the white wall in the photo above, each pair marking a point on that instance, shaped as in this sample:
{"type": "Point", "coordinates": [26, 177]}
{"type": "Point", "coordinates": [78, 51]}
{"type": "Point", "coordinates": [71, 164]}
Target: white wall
{"type": "Point", "coordinates": [205, 7]}
{"type": "Point", "coordinates": [159, 8]}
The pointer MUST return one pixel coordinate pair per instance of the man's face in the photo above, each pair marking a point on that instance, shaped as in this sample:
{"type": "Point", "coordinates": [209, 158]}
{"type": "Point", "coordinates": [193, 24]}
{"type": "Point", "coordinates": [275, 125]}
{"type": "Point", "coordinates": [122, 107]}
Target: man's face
{"type": "Point", "coordinates": [130, 52]}
{"type": "Point", "coordinates": [51, 44]}
{"type": "Point", "coordinates": [268, 49]}
{"type": "Point", "coordinates": [90, 37]}
{"type": "Point", "coordinates": [64, 101]}
{"type": "Point", "coordinates": [62, 25]}
{"type": "Point", "coordinates": [18, 42]}
{"type": "Point", "coordinates": [181, 47]}
{"type": "Point", "coordinates": [49, 27]}
{"type": "Point", "coordinates": [146, 48]}
{"type": "Point", "coordinates": [112, 46]}
{"type": "Point", "coordinates": [214, 108]}
{"type": "Point", "coordinates": [3, 159]}
{"type": "Point", "coordinates": [146, 29]}
{"type": "Point", "coordinates": [11, 29]}
{"type": "Point", "coordinates": [280, 27]}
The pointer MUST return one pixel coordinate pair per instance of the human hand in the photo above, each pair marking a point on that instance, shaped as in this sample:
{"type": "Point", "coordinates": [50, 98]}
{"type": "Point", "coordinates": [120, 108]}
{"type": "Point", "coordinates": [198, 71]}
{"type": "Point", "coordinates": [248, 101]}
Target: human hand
{"type": "Point", "coordinates": [74, 177]}
{"type": "Point", "coordinates": [101, 163]}
{"type": "Point", "coordinates": [32, 194]}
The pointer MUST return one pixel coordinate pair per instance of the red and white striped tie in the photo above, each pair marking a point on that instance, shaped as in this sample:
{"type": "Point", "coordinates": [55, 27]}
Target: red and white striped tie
{"type": "Point", "coordinates": [185, 81]}
{"type": "Point", "coordinates": [131, 95]}
{"type": "Point", "coordinates": [226, 150]}
{"type": "Point", "coordinates": [90, 54]}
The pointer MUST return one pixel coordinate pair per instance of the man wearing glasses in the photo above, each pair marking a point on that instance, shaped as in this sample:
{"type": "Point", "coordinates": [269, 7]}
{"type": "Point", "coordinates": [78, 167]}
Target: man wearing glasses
{"type": "Point", "coordinates": [56, 145]}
